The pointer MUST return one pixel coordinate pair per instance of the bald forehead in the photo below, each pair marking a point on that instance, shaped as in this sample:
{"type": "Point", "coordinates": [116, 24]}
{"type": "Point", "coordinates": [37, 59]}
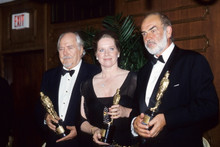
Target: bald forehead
{"type": "Point", "coordinates": [151, 20]}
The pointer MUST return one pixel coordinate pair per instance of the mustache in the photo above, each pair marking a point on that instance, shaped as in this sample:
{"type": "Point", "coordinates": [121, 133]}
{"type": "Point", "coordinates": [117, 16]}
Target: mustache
{"type": "Point", "coordinates": [150, 41]}
{"type": "Point", "coordinates": [66, 57]}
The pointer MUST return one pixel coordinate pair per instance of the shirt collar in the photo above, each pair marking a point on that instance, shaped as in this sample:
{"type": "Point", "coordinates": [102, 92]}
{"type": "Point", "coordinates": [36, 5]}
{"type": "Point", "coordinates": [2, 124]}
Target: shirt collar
{"type": "Point", "coordinates": [167, 52]}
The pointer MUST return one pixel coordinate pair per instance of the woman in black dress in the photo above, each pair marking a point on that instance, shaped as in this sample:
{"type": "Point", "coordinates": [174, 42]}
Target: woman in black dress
{"type": "Point", "coordinates": [98, 93]}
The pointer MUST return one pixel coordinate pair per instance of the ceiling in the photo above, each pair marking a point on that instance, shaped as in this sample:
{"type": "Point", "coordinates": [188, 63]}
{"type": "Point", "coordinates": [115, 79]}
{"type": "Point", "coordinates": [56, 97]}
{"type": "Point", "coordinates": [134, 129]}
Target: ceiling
{"type": "Point", "coordinates": [5, 1]}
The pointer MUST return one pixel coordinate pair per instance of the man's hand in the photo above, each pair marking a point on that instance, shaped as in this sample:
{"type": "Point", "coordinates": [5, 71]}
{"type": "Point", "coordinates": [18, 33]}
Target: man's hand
{"type": "Point", "coordinates": [157, 124]}
{"type": "Point", "coordinates": [50, 120]}
{"type": "Point", "coordinates": [71, 135]}
{"type": "Point", "coordinates": [140, 128]}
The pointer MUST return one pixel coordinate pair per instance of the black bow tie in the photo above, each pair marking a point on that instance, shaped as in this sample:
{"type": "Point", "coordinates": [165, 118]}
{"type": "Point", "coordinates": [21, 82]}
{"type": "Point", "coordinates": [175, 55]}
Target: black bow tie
{"type": "Point", "coordinates": [154, 60]}
{"type": "Point", "coordinates": [71, 72]}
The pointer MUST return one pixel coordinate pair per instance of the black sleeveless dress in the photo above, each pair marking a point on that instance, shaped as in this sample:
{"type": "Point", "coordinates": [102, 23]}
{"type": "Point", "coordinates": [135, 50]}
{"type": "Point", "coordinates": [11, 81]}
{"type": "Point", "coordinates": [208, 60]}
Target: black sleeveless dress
{"type": "Point", "coordinates": [94, 108]}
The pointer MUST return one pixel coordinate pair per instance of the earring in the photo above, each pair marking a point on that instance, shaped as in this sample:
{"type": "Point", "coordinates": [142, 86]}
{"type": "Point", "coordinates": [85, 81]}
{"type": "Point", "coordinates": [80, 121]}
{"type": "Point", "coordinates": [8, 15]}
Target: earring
{"type": "Point", "coordinates": [118, 55]}
{"type": "Point", "coordinates": [97, 58]}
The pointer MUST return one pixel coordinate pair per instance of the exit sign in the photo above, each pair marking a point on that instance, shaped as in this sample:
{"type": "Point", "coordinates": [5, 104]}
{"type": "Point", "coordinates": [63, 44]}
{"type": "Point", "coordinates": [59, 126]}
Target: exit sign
{"type": "Point", "coordinates": [20, 21]}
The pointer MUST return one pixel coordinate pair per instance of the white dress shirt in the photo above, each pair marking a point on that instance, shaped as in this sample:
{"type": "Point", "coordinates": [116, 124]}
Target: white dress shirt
{"type": "Point", "coordinates": [65, 90]}
{"type": "Point", "coordinates": [155, 73]}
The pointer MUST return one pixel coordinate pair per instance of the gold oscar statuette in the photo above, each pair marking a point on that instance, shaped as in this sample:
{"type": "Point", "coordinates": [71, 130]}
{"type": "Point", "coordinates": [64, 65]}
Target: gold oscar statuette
{"type": "Point", "coordinates": [117, 97]}
{"type": "Point", "coordinates": [107, 132]}
{"type": "Point", "coordinates": [48, 105]}
{"type": "Point", "coordinates": [151, 113]}
{"type": "Point", "coordinates": [163, 86]}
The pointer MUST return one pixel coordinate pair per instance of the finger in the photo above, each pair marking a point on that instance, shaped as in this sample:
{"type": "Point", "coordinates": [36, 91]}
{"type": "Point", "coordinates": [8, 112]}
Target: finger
{"type": "Point", "coordinates": [71, 127]}
{"type": "Point", "coordinates": [97, 139]}
{"type": "Point", "coordinates": [136, 122]}
{"type": "Point", "coordinates": [155, 129]}
{"type": "Point", "coordinates": [155, 134]}
{"type": "Point", "coordinates": [141, 129]}
{"type": "Point", "coordinates": [55, 120]}
{"type": "Point", "coordinates": [144, 133]}
{"type": "Point", "coordinates": [50, 118]}
{"type": "Point", "coordinates": [141, 116]}
{"type": "Point", "coordinates": [113, 110]}
{"type": "Point", "coordinates": [139, 119]}
{"type": "Point", "coordinates": [67, 137]}
{"type": "Point", "coordinates": [142, 125]}
{"type": "Point", "coordinates": [51, 126]}
{"type": "Point", "coordinates": [63, 138]}
{"type": "Point", "coordinates": [114, 114]}
{"type": "Point", "coordinates": [101, 143]}
{"type": "Point", "coordinates": [114, 106]}
{"type": "Point", "coordinates": [58, 118]}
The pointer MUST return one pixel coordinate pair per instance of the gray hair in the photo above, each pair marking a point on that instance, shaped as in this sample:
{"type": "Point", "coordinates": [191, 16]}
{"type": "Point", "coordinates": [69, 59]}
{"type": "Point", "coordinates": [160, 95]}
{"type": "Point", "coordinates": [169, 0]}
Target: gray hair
{"type": "Point", "coordinates": [164, 19]}
{"type": "Point", "coordinates": [79, 40]}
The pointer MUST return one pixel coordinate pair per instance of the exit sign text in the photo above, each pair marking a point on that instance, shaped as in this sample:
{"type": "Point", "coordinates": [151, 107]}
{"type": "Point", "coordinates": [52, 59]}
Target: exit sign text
{"type": "Point", "coordinates": [20, 21]}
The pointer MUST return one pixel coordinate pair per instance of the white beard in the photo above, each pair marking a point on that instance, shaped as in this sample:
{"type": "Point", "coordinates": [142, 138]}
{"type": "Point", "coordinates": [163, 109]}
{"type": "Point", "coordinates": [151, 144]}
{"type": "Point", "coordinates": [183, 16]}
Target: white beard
{"type": "Point", "coordinates": [159, 46]}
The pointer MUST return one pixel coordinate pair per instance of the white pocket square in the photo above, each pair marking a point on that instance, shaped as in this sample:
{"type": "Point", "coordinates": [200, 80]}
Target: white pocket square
{"type": "Point", "coordinates": [176, 85]}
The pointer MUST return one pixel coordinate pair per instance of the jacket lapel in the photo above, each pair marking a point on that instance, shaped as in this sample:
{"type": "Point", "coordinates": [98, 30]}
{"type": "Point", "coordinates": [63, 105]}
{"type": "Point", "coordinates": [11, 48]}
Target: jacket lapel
{"type": "Point", "coordinates": [168, 67]}
{"type": "Point", "coordinates": [145, 74]}
{"type": "Point", "coordinates": [56, 90]}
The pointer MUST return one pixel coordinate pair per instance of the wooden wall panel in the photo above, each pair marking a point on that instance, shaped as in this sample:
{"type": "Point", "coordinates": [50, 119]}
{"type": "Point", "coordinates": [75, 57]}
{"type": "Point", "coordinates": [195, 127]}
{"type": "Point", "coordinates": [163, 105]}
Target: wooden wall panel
{"type": "Point", "coordinates": [29, 38]}
{"type": "Point", "coordinates": [27, 69]}
{"type": "Point", "coordinates": [22, 64]}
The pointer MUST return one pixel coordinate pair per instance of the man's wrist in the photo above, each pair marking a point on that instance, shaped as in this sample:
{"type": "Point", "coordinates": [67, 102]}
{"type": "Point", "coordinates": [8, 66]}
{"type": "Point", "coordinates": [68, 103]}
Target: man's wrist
{"type": "Point", "coordinates": [132, 128]}
{"type": "Point", "coordinates": [45, 117]}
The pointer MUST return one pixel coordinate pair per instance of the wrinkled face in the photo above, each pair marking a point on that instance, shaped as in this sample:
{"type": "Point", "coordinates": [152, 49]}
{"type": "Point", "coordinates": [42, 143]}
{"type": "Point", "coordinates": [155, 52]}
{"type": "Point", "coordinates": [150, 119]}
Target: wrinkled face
{"type": "Point", "coordinates": [154, 35]}
{"type": "Point", "coordinates": [107, 53]}
{"type": "Point", "coordinates": [69, 51]}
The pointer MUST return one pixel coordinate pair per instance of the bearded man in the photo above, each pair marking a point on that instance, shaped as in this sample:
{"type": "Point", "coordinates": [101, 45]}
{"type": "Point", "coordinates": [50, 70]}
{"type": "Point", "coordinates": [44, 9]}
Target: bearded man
{"type": "Point", "coordinates": [190, 101]}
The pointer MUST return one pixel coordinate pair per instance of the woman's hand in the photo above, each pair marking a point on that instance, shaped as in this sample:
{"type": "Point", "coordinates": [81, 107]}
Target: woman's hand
{"type": "Point", "coordinates": [97, 137]}
{"type": "Point", "coordinates": [117, 111]}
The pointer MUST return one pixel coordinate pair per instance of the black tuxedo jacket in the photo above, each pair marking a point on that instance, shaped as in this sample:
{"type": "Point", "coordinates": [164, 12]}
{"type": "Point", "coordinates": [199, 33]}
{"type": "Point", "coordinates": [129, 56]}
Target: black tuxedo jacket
{"type": "Point", "coordinates": [50, 87]}
{"type": "Point", "coordinates": [189, 103]}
